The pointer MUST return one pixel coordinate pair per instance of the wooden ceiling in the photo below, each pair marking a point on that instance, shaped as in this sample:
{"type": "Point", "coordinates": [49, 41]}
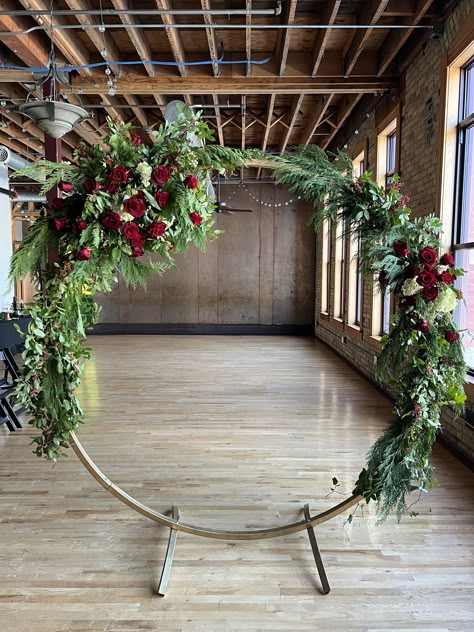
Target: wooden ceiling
{"type": "Point", "coordinates": [283, 87]}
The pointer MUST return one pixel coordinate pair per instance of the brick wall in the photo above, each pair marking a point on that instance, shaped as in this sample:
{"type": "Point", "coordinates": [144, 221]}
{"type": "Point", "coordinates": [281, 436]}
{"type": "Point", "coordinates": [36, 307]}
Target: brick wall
{"type": "Point", "coordinates": [419, 124]}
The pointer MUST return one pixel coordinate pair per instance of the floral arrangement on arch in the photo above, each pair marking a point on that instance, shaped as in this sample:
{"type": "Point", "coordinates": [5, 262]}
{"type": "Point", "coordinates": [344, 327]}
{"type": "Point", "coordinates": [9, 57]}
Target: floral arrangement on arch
{"type": "Point", "coordinates": [124, 200]}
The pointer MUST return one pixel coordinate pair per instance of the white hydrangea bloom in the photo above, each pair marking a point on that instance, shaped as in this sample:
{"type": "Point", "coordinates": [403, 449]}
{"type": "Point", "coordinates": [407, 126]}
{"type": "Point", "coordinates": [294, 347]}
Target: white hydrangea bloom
{"type": "Point", "coordinates": [410, 287]}
{"type": "Point", "coordinates": [144, 170]}
{"type": "Point", "coordinates": [126, 217]}
{"type": "Point", "coordinates": [446, 301]}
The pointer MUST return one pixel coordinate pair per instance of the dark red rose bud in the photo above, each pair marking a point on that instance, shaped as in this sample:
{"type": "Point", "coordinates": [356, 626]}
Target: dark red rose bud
{"type": "Point", "coordinates": [135, 206]}
{"type": "Point", "coordinates": [65, 187]}
{"type": "Point", "coordinates": [137, 251]}
{"type": "Point", "coordinates": [400, 248]}
{"type": "Point", "coordinates": [447, 277]}
{"type": "Point", "coordinates": [427, 278]}
{"type": "Point", "coordinates": [447, 260]}
{"type": "Point", "coordinates": [84, 254]}
{"type": "Point", "coordinates": [195, 218]}
{"type": "Point", "coordinates": [428, 256]}
{"type": "Point", "coordinates": [130, 230]}
{"type": "Point", "coordinates": [140, 195]}
{"type": "Point", "coordinates": [111, 187]}
{"type": "Point", "coordinates": [138, 241]}
{"type": "Point", "coordinates": [91, 185]}
{"type": "Point", "coordinates": [136, 140]}
{"type": "Point", "coordinates": [111, 220]}
{"type": "Point", "coordinates": [191, 182]}
{"type": "Point", "coordinates": [79, 226]}
{"type": "Point", "coordinates": [162, 198]}
{"type": "Point", "coordinates": [60, 223]}
{"type": "Point", "coordinates": [430, 293]}
{"type": "Point", "coordinates": [119, 175]}
{"type": "Point", "coordinates": [422, 325]}
{"type": "Point", "coordinates": [411, 271]}
{"type": "Point", "coordinates": [160, 175]}
{"type": "Point", "coordinates": [451, 336]}
{"type": "Point", "coordinates": [156, 229]}
{"type": "Point", "coordinates": [383, 277]}
{"type": "Point", "coordinates": [58, 204]}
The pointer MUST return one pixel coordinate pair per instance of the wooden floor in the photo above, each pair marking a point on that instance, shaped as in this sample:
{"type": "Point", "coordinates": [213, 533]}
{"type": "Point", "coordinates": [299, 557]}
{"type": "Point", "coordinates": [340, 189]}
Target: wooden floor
{"type": "Point", "coordinates": [238, 432]}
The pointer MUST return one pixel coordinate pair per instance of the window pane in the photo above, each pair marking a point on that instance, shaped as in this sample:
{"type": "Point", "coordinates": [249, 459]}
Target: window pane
{"type": "Point", "coordinates": [386, 312]}
{"type": "Point", "coordinates": [464, 313]}
{"type": "Point", "coordinates": [468, 92]}
{"type": "Point", "coordinates": [467, 188]}
{"type": "Point", "coordinates": [391, 151]}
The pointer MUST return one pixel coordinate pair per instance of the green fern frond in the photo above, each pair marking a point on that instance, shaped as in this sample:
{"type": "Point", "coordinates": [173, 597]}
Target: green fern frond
{"type": "Point", "coordinates": [32, 252]}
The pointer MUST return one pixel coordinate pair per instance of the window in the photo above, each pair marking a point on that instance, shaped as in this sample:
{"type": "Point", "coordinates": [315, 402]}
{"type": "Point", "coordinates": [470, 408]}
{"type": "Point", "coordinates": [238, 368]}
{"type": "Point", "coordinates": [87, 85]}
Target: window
{"type": "Point", "coordinates": [355, 274]}
{"type": "Point", "coordinates": [391, 156]}
{"type": "Point", "coordinates": [464, 207]}
{"type": "Point", "coordinates": [326, 267]}
{"type": "Point", "coordinates": [340, 272]}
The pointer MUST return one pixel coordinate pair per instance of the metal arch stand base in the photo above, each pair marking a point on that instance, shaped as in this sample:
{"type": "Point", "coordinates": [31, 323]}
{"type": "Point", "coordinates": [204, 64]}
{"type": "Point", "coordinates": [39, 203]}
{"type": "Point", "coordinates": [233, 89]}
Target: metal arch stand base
{"type": "Point", "coordinates": [174, 524]}
{"type": "Point", "coordinates": [168, 562]}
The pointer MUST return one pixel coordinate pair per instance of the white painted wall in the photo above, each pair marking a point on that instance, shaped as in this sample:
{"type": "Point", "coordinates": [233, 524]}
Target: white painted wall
{"type": "Point", "coordinates": [6, 292]}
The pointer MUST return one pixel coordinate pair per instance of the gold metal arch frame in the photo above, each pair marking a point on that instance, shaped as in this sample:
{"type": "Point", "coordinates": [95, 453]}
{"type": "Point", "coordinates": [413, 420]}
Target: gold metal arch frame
{"type": "Point", "coordinates": [174, 524]}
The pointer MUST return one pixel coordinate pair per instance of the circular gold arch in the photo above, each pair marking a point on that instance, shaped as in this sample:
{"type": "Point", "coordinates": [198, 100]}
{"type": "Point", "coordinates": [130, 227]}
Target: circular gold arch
{"type": "Point", "coordinates": [216, 534]}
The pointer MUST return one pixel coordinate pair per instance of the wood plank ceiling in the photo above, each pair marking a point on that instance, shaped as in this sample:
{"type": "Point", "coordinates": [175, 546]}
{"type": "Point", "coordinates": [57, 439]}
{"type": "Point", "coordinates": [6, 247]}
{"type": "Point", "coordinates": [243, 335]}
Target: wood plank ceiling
{"type": "Point", "coordinates": [284, 86]}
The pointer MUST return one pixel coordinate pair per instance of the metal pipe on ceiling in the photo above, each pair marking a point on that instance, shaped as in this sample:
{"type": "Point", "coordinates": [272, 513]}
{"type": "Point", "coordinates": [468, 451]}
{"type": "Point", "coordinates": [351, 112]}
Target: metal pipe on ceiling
{"type": "Point", "coordinates": [8, 158]}
{"type": "Point", "coordinates": [26, 196]}
{"type": "Point", "coordinates": [258, 27]}
{"type": "Point", "coordinates": [150, 12]}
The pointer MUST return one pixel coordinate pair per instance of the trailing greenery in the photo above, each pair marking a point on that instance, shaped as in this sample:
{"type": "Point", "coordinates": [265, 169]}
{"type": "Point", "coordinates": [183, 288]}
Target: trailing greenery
{"type": "Point", "coordinates": [126, 200]}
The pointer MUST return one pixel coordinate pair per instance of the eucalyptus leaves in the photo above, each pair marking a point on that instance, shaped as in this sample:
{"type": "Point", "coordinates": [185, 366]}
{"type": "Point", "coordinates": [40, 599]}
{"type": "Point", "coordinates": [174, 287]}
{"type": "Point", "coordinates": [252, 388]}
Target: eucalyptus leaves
{"type": "Point", "coordinates": [125, 199]}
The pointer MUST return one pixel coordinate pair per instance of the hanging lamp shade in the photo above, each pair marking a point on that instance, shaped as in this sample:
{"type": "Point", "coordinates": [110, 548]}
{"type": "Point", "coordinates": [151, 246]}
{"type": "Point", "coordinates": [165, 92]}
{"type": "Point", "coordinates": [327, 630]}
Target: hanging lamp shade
{"type": "Point", "coordinates": [55, 118]}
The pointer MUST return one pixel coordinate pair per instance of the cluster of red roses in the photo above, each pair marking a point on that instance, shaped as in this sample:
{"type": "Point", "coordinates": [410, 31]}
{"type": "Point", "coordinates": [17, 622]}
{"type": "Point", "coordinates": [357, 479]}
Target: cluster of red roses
{"type": "Point", "coordinates": [428, 277]}
{"type": "Point", "coordinates": [135, 206]}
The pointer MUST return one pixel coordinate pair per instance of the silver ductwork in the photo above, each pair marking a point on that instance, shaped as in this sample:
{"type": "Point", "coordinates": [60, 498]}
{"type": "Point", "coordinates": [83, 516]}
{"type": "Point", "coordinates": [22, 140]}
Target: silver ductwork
{"type": "Point", "coordinates": [26, 196]}
{"type": "Point", "coordinates": [9, 159]}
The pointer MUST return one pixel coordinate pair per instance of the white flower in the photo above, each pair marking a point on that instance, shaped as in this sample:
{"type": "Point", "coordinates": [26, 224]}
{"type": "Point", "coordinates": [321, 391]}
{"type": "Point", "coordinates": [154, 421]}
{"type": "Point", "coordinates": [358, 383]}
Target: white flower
{"type": "Point", "coordinates": [446, 301]}
{"type": "Point", "coordinates": [144, 170]}
{"type": "Point", "coordinates": [126, 217]}
{"type": "Point", "coordinates": [410, 287]}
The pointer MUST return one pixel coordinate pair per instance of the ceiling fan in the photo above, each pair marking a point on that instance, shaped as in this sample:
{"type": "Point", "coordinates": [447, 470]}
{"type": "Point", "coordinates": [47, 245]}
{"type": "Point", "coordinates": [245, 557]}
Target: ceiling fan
{"type": "Point", "coordinates": [222, 208]}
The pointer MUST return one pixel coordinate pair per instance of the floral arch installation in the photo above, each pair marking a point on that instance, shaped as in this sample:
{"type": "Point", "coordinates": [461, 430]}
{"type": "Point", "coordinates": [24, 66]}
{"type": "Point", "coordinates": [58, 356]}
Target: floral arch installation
{"type": "Point", "coordinates": [124, 201]}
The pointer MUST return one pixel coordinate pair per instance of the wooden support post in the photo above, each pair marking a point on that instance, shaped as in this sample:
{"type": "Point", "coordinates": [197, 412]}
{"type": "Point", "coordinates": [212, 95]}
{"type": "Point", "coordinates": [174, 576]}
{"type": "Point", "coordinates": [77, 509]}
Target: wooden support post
{"type": "Point", "coordinates": [165, 573]}
{"type": "Point", "coordinates": [316, 553]}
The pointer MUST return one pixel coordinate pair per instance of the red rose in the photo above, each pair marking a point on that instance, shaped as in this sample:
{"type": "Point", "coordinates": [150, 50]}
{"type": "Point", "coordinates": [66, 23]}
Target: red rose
{"type": "Point", "coordinates": [447, 260]}
{"type": "Point", "coordinates": [447, 277]}
{"type": "Point", "coordinates": [195, 218]}
{"type": "Point", "coordinates": [91, 185]}
{"type": "Point", "coordinates": [162, 198]}
{"type": "Point", "coordinates": [451, 336]}
{"type": "Point", "coordinates": [430, 293]}
{"type": "Point", "coordinates": [119, 175]}
{"type": "Point", "coordinates": [426, 279]}
{"type": "Point", "coordinates": [65, 187]}
{"type": "Point", "coordinates": [111, 220]}
{"type": "Point", "coordinates": [79, 226]}
{"type": "Point", "coordinates": [409, 301]}
{"type": "Point", "coordinates": [156, 229]}
{"type": "Point", "coordinates": [140, 195]}
{"type": "Point", "coordinates": [138, 241]}
{"type": "Point", "coordinates": [58, 204]}
{"type": "Point", "coordinates": [428, 256]}
{"type": "Point", "coordinates": [111, 187]}
{"type": "Point", "coordinates": [422, 325]}
{"type": "Point", "coordinates": [135, 206]}
{"type": "Point", "coordinates": [160, 176]}
{"type": "Point", "coordinates": [383, 277]}
{"type": "Point", "coordinates": [191, 182]}
{"type": "Point", "coordinates": [60, 223]}
{"type": "Point", "coordinates": [411, 271]}
{"type": "Point", "coordinates": [84, 254]}
{"type": "Point", "coordinates": [400, 248]}
{"type": "Point", "coordinates": [136, 140]}
{"type": "Point", "coordinates": [130, 230]}
{"type": "Point", "coordinates": [137, 251]}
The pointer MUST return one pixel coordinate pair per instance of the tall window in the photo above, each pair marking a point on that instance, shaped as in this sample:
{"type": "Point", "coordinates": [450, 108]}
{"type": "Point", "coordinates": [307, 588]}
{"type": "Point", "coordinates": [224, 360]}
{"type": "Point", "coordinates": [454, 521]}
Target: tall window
{"type": "Point", "coordinates": [340, 272]}
{"type": "Point", "coordinates": [355, 273]}
{"type": "Point", "coordinates": [386, 168]}
{"type": "Point", "coordinates": [464, 207]}
{"type": "Point", "coordinates": [326, 267]}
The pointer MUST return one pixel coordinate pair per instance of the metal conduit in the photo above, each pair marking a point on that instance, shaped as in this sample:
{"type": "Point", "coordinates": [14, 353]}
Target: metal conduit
{"type": "Point", "coordinates": [311, 27]}
{"type": "Point", "coordinates": [131, 11]}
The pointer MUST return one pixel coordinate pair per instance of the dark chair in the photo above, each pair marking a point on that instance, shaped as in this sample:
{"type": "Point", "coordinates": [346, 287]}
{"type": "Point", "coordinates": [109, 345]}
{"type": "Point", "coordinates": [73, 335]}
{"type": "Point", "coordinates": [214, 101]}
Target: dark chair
{"type": "Point", "coordinates": [8, 415]}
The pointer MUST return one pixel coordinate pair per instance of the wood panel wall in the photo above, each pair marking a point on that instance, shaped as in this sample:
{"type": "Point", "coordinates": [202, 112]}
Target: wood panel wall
{"type": "Point", "coordinates": [260, 271]}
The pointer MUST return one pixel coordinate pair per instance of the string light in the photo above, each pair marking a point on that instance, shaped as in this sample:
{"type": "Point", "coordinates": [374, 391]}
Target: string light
{"type": "Point", "coordinates": [259, 200]}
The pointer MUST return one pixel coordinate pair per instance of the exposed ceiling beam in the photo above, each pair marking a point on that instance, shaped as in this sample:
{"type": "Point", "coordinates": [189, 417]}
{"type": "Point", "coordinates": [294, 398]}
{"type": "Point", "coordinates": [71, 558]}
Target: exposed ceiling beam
{"type": "Point", "coordinates": [137, 84]}
{"type": "Point", "coordinates": [319, 111]}
{"type": "Point", "coordinates": [173, 35]}
{"type": "Point", "coordinates": [65, 41]}
{"type": "Point", "coordinates": [248, 37]}
{"type": "Point", "coordinates": [268, 125]}
{"type": "Point", "coordinates": [371, 12]}
{"type": "Point", "coordinates": [329, 17]}
{"type": "Point", "coordinates": [17, 146]}
{"type": "Point", "coordinates": [244, 127]}
{"type": "Point", "coordinates": [211, 37]}
{"type": "Point", "coordinates": [29, 48]}
{"type": "Point", "coordinates": [343, 112]}
{"type": "Point", "coordinates": [285, 36]}
{"type": "Point", "coordinates": [397, 38]}
{"type": "Point", "coordinates": [220, 129]}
